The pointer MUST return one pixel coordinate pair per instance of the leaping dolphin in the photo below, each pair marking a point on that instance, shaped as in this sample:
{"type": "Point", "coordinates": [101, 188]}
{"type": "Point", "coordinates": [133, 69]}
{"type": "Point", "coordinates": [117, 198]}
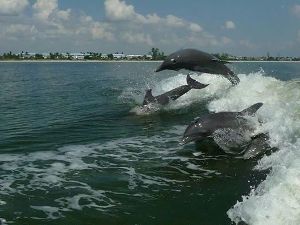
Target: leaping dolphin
{"type": "Point", "coordinates": [211, 124]}
{"type": "Point", "coordinates": [206, 125]}
{"type": "Point", "coordinates": [165, 98]}
{"type": "Point", "coordinates": [195, 60]}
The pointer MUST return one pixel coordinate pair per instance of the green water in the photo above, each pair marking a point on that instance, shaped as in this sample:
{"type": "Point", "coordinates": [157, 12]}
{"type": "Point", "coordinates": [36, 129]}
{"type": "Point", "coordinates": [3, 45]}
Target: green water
{"type": "Point", "coordinates": [72, 151]}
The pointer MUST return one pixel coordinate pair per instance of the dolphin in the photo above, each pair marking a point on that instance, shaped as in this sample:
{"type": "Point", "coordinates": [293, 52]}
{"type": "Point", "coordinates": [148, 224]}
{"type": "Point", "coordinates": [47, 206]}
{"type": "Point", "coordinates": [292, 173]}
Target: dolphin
{"type": "Point", "coordinates": [205, 126]}
{"type": "Point", "coordinates": [165, 98]}
{"type": "Point", "coordinates": [258, 146]}
{"type": "Point", "coordinates": [195, 60]}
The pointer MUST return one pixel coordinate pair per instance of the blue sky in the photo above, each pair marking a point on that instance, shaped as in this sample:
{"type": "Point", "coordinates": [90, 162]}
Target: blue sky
{"type": "Point", "coordinates": [135, 26]}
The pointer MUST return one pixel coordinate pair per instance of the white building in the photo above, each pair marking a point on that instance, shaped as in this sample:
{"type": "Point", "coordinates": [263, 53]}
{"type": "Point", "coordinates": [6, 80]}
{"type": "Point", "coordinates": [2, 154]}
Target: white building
{"type": "Point", "coordinates": [77, 56]}
{"type": "Point", "coordinates": [28, 55]}
{"type": "Point", "coordinates": [46, 55]}
{"type": "Point", "coordinates": [134, 57]}
{"type": "Point", "coordinates": [118, 56]}
{"type": "Point", "coordinates": [104, 56]}
{"type": "Point", "coordinates": [149, 57]}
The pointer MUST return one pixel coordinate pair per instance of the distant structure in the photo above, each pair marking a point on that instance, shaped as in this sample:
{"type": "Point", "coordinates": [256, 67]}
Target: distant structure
{"type": "Point", "coordinates": [104, 56]}
{"type": "Point", "coordinates": [154, 54]}
{"type": "Point", "coordinates": [28, 55]}
{"type": "Point", "coordinates": [118, 56]}
{"type": "Point", "coordinates": [77, 56]}
{"type": "Point", "coordinates": [46, 55]}
{"type": "Point", "coordinates": [139, 57]}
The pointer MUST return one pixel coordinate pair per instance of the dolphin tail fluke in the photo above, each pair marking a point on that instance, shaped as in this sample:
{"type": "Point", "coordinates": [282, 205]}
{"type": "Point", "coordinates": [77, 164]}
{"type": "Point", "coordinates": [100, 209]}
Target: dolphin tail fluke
{"type": "Point", "coordinates": [148, 97]}
{"type": "Point", "coordinates": [193, 84]}
{"type": "Point", "coordinates": [251, 110]}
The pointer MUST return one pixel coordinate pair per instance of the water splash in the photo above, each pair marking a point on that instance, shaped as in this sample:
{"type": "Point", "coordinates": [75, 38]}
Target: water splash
{"type": "Point", "coordinates": [218, 85]}
{"type": "Point", "coordinates": [275, 200]}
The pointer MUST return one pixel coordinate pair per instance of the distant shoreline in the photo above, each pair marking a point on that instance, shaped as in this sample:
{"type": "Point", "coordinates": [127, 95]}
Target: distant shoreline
{"type": "Point", "coordinates": [264, 61]}
{"type": "Point", "coordinates": [125, 61]}
{"type": "Point", "coordinates": [78, 61]}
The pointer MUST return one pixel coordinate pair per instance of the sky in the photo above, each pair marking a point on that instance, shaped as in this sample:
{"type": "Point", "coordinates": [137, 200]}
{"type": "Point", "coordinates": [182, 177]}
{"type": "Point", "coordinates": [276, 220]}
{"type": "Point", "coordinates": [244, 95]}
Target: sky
{"type": "Point", "coordinates": [245, 28]}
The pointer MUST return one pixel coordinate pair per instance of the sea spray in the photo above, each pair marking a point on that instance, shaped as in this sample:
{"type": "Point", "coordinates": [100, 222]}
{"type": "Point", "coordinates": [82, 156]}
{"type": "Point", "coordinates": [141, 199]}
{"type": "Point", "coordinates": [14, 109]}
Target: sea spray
{"type": "Point", "coordinates": [217, 86]}
{"type": "Point", "coordinates": [276, 200]}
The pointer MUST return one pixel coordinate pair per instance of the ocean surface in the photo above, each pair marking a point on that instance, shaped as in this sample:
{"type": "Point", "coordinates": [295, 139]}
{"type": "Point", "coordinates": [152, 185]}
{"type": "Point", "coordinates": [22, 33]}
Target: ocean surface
{"type": "Point", "coordinates": [77, 148]}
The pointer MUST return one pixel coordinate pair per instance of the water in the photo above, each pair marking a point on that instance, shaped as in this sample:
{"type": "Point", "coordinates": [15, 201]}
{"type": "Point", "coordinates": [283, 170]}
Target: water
{"type": "Point", "coordinates": [76, 148]}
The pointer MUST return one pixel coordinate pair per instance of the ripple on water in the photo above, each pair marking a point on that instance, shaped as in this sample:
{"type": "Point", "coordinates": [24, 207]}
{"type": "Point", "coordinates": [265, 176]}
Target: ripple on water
{"type": "Point", "coordinates": [94, 176]}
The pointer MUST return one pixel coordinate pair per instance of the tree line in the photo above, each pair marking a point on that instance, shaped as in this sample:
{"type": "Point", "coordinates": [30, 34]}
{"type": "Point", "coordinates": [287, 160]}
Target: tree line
{"type": "Point", "coordinates": [155, 53]}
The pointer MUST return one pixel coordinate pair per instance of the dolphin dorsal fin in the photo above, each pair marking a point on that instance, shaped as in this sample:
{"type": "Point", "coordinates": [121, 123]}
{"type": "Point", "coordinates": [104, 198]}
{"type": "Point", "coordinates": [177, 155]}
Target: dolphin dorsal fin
{"type": "Point", "coordinates": [148, 97]}
{"type": "Point", "coordinates": [251, 110]}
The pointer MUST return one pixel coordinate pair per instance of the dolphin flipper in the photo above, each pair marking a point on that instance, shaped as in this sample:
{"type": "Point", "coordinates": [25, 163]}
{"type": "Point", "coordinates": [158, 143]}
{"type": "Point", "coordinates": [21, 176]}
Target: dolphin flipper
{"type": "Point", "coordinates": [251, 110]}
{"type": "Point", "coordinates": [258, 146]}
{"type": "Point", "coordinates": [193, 84]}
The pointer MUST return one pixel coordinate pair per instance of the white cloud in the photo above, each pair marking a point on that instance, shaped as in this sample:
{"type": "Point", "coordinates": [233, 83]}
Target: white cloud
{"type": "Point", "coordinates": [152, 29]}
{"type": "Point", "coordinates": [47, 11]}
{"type": "Point", "coordinates": [87, 27]}
{"type": "Point", "coordinates": [119, 10]}
{"type": "Point", "coordinates": [12, 7]}
{"type": "Point", "coordinates": [20, 28]}
{"type": "Point", "coordinates": [247, 44]}
{"type": "Point", "coordinates": [226, 40]}
{"type": "Point", "coordinates": [100, 31]}
{"type": "Point", "coordinates": [48, 23]}
{"type": "Point", "coordinates": [203, 39]}
{"type": "Point", "coordinates": [195, 27]}
{"type": "Point", "coordinates": [57, 23]}
{"type": "Point", "coordinates": [44, 8]}
{"type": "Point", "coordinates": [174, 21]}
{"type": "Point", "coordinates": [124, 30]}
{"type": "Point", "coordinates": [64, 14]}
{"type": "Point", "coordinates": [150, 18]}
{"type": "Point", "coordinates": [139, 38]}
{"type": "Point", "coordinates": [17, 31]}
{"type": "Point", "coordinates": [296, 10]}
{"type": "Point", "coordinates": [229, 24]}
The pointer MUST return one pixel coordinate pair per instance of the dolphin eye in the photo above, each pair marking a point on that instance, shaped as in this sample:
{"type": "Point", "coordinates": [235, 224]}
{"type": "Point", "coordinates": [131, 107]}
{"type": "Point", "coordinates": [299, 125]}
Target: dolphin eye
{"type": "Point", "coordinates": [173, 60]}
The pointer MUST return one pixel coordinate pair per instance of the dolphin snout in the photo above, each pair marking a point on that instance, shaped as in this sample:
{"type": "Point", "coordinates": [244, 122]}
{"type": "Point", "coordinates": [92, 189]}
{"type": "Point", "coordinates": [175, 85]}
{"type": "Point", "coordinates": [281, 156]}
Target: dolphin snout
{"type": "Point", "coordinates": [159, 69]}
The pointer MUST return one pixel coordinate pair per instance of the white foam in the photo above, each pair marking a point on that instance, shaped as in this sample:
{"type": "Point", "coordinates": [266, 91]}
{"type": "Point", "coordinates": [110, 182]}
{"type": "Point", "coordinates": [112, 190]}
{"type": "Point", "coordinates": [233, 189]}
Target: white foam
{"type": "Point", "coordinates": [217, 86]}
{"type": "Point", "coordinates": [3, 221]}
{"type": "Point", "coordinates": [51, 212]}
{"type": "Point", "coordinates": [121, 159]}
{"type": "Point", "coordinates": [276, 200]}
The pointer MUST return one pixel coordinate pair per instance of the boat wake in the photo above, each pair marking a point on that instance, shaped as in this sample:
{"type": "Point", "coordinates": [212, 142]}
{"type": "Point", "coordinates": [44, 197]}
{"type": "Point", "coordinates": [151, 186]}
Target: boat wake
{"type": "Point", "coordinates": [276, 200]}
{"type": "Point", "coordinates": [123, 172]}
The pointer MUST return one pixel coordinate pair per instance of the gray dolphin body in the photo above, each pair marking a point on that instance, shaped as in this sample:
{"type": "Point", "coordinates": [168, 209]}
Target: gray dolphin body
{"type": "Point", "coordinates": [165, 98]}
{"type": "Point", "coordinates": [258, 146]}
{"type": "Point", "coordinates": [206, 125]}
{"type": "Point", "coordinates": [195, 60]}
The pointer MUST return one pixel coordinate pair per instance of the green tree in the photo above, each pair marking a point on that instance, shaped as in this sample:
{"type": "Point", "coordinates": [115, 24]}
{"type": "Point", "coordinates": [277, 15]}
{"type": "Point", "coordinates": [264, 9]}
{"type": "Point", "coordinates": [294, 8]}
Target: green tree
{"type": "Point", "coordinates": [156, 54]}
{"type": "Point", "coordinates": [38, 56]}
{"type": "Point", "coordinates": [110, 56]}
